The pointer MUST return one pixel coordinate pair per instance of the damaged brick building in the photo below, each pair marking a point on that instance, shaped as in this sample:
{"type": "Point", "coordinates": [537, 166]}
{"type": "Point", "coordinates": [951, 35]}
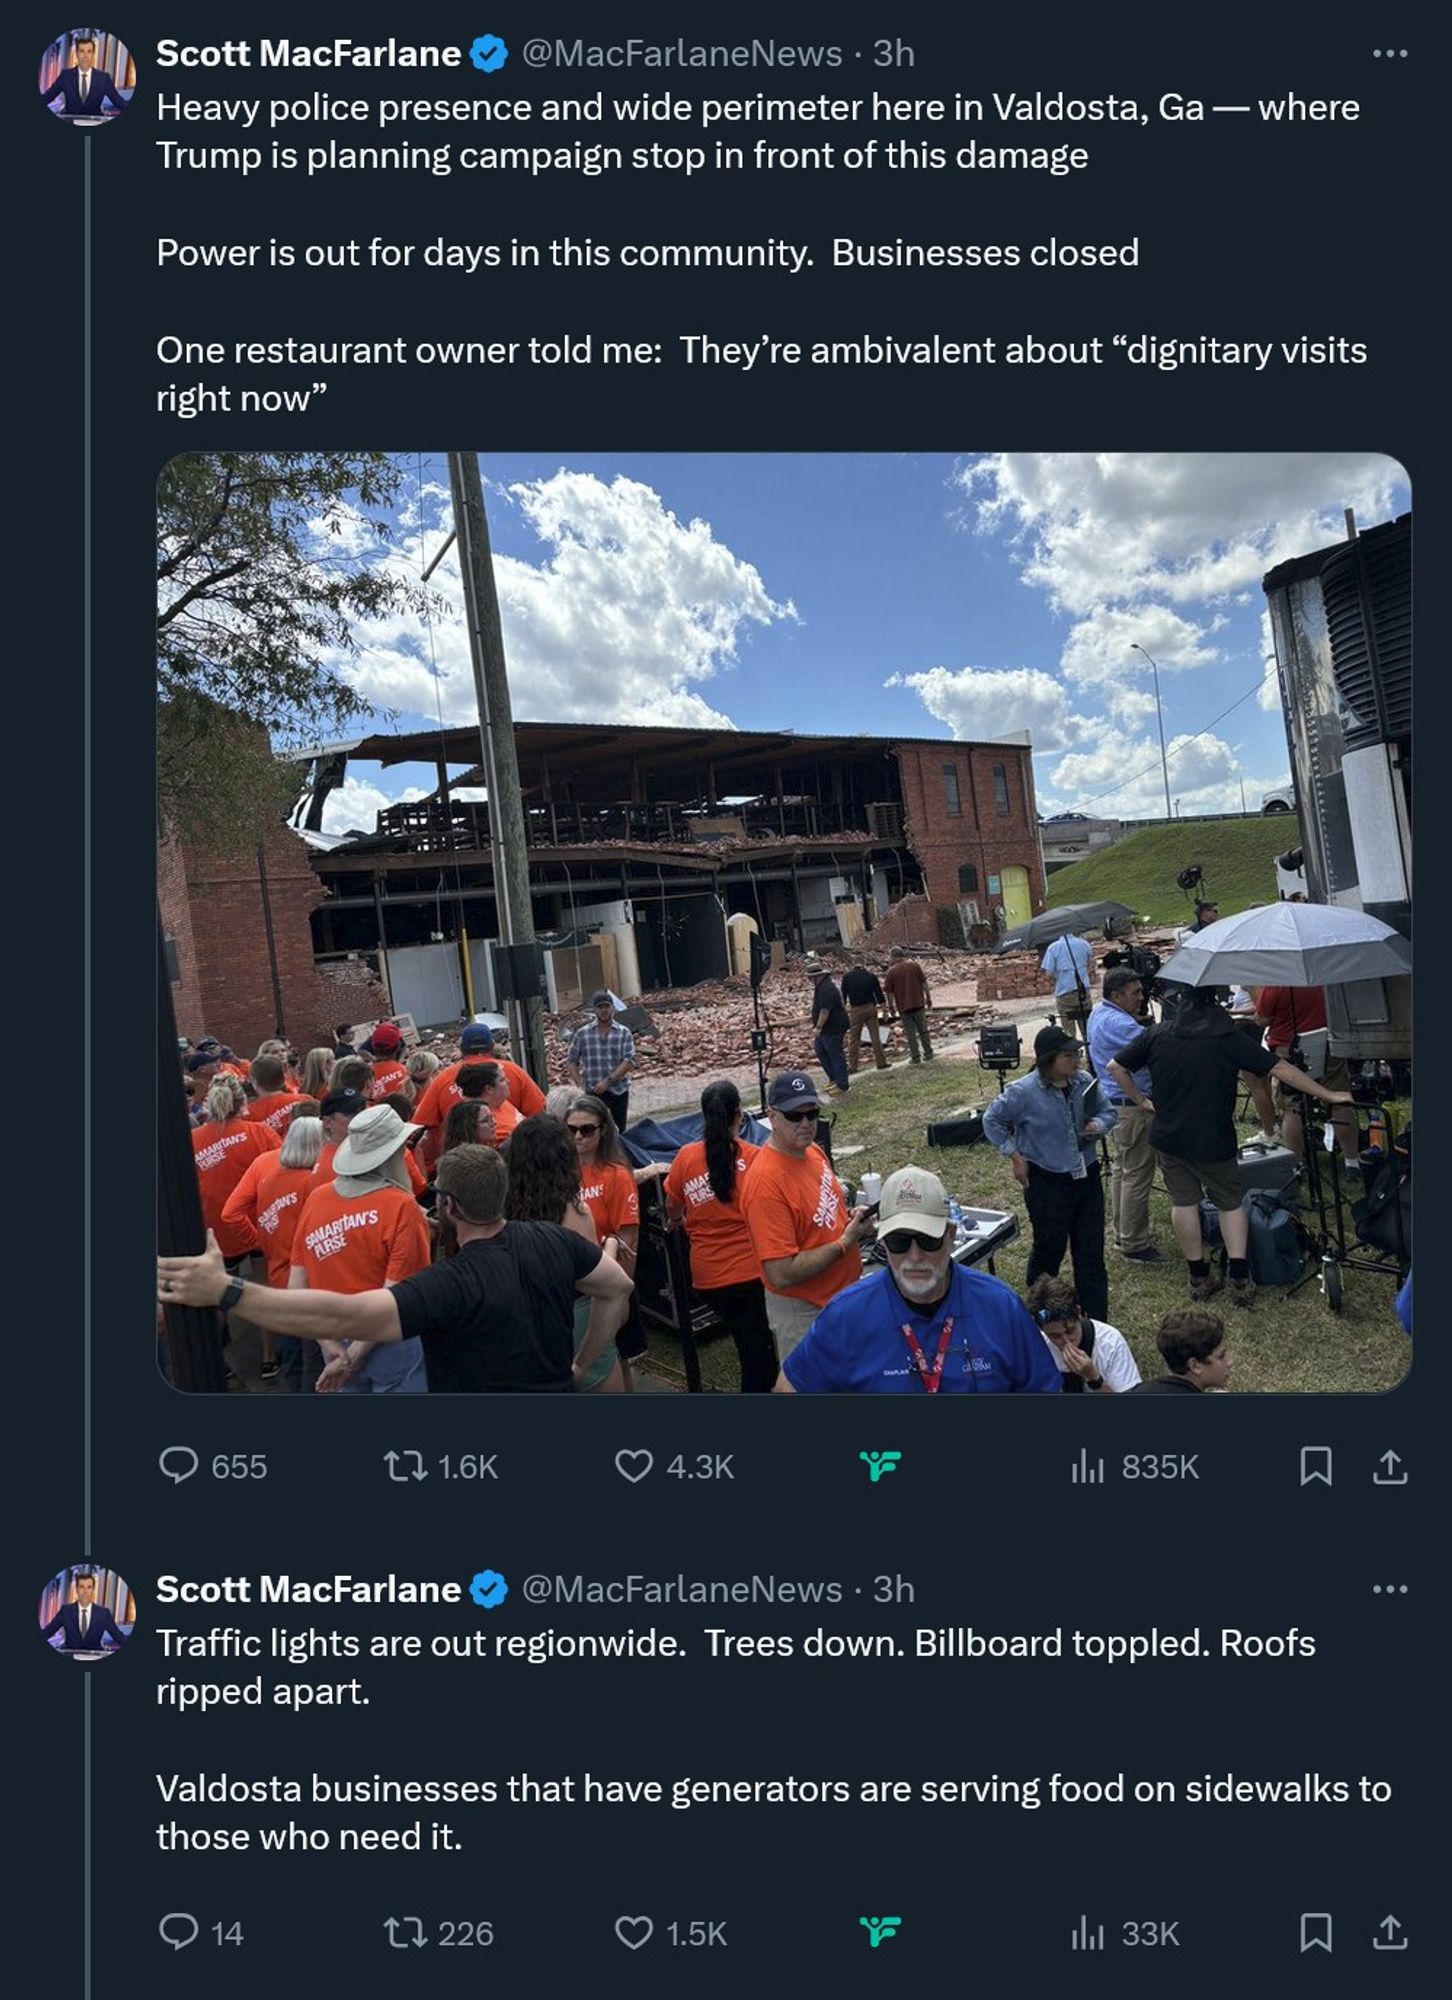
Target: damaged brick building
{"type": "Point", "coordinates": [659, 837]}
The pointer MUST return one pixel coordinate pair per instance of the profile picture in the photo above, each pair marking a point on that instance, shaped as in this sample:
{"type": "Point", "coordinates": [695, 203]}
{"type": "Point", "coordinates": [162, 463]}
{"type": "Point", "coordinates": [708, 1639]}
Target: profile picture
{"type": "Point", "coordinates": [87, 1612]}
{"type": "Point", "coordinates": [87, 76]}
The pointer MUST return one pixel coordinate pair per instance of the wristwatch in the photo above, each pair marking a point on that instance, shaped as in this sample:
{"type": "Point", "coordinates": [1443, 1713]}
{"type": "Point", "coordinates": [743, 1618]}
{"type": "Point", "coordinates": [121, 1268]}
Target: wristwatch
{"type": "Point", "coordinates": [232, 1295]}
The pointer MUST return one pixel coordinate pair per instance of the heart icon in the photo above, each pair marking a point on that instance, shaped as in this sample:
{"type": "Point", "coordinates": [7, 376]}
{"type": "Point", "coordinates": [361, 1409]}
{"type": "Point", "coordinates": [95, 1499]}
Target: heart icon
{"type": "Point", "coordinates": [634, 1465]}
{"type": "Point", "coordinates": [633, 1932]}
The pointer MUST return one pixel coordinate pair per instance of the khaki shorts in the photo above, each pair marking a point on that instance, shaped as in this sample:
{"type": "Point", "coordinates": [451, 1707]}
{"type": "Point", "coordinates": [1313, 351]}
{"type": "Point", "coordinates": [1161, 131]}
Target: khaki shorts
{"type": "Point", "coordinates": [1191, 1181]}
{"type": "Point", "coordinates": [1336, 1077]}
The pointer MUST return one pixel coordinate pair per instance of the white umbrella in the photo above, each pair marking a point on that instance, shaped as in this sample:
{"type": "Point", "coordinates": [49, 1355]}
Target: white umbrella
{"type": "Point", "coordinates": [1291, 944]}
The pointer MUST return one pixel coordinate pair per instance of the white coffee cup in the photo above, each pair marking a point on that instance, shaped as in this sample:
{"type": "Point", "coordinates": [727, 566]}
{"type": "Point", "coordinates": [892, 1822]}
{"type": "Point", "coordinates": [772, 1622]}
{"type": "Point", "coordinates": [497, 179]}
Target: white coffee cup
{"type": "Point", "coordinates": [871, 1189]}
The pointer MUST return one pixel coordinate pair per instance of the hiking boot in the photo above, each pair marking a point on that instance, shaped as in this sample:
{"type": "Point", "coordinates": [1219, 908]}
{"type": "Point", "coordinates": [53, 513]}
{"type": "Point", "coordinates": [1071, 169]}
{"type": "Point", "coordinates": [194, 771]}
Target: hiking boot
{"type": "Point", "coordinates": [1203, 1289]}
{"type": "Point", "coordinates": [1242, 1291]}
{"type": "Point", "coordinates": [1149, 1255]}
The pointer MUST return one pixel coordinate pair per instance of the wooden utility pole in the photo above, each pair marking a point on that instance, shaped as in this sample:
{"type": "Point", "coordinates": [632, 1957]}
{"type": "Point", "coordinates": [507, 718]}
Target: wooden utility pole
{"type": "Point", "coordinates": [508, 856]}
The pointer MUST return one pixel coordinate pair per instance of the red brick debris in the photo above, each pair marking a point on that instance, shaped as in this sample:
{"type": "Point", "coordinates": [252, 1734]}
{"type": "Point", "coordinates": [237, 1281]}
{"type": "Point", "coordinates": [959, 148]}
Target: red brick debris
{"type": "Point", "coordinates": [707, 1028]}
{"type": "Point", "coordinates": [704, 1029]}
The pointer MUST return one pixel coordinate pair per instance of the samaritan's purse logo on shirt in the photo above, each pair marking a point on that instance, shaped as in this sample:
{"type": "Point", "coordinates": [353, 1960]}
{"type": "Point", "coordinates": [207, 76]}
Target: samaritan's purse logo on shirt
{"type": "Point", "coordinates": [829, 1208]}
{"type": "Point", "coordinates": [213, 1155]}
{"type": "Point", "coordinates": [332, 1235]}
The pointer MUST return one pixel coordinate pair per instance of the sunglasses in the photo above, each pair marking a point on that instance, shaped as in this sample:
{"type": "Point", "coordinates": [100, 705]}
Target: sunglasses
{"type": "Point", "coordinates": [798, 1117]}
{"type": "Point", "coordinates": [898, 1242]}
{"type": "Point", "coordinates": [1057, 1315]}
{"type": "Point", "coordinates": [581, 1131]}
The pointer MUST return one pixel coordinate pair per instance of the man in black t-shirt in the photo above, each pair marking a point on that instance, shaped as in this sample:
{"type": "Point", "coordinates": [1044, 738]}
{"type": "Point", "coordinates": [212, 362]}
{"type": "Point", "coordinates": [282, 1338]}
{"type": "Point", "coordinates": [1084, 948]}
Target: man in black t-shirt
{"type": "Point", "coordinates": [863, 995]}
{"type": "Point", "coordinates": [499, 1316]}
{"type": "Point", "coordinates": [1194, 1062]}
{"type": "Point", "coordinates": [829, 1025]}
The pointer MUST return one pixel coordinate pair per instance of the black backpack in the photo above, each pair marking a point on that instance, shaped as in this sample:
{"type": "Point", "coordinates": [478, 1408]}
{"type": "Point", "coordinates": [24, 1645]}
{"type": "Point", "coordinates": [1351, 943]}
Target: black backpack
{"type": "Point", "coordinates": [1387, 1188]}
{"type": "Point", "coordinates": [1278, 1242]}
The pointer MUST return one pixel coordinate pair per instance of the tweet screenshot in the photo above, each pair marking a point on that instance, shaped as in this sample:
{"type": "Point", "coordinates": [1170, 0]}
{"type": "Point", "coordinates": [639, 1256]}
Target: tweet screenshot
{"type": "Point", "coordinates": [727, 869]}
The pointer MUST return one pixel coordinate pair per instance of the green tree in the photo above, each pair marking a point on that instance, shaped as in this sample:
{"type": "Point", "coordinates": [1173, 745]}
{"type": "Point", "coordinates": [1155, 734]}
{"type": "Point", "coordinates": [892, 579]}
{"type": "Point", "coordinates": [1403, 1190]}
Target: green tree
{"type": "Point", "coordinates": [263, 562]}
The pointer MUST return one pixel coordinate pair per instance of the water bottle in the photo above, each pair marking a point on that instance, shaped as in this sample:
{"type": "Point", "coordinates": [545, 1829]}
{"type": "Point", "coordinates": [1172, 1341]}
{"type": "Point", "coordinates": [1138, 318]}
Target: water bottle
{"type": "Point", "coordinates": [1376, 1130]}
{"type": "Point", "coordinates": [956, 1218]}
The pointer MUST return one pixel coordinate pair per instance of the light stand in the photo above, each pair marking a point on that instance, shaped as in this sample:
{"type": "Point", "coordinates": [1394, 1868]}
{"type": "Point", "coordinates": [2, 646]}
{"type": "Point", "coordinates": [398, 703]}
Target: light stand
{"type": "Point", "coordinates": [760, 1038]}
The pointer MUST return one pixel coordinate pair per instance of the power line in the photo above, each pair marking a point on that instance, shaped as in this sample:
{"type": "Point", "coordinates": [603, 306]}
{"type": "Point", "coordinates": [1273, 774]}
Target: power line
{"type": "Point", "coordinates": [1125, 783]}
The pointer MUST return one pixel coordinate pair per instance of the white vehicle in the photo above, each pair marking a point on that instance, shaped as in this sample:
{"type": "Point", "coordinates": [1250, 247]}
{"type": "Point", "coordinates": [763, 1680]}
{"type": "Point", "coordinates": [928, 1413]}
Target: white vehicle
{"type": "Point", "coordinates": [1282, 800]}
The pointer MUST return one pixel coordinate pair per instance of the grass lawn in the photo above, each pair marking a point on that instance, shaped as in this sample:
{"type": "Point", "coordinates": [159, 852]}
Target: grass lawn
{"type": "Point", "coordinates": [1237, 855]}
{"type": "Point", "coordinates": [1282, 1343]}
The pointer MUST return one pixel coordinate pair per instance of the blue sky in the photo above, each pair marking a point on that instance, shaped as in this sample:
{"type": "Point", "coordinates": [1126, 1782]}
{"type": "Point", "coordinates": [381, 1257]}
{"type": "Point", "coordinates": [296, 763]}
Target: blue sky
{"type": "Point", "coordinates": [925, 595]}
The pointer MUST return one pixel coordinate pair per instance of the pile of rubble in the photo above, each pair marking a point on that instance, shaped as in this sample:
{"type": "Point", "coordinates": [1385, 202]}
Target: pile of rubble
{"type": "Point", "coordinates": [706, 1029]}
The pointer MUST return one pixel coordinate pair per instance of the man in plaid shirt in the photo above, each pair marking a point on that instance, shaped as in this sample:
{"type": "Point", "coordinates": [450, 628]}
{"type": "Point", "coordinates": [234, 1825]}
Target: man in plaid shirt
{"type": "Point", "coordinates": [601, 1057]}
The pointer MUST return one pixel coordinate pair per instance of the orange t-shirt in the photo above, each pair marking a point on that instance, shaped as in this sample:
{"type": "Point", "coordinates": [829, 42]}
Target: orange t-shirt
{"type": "Point", "coordinates": [274, 1111]}
{"type": "Point", "coordinates": [223, 1153]}
{"type": "Point", "coordinates": [269, 1199]}
{"type": "Point", "coordinates": [793, 1205]}
{"type": "Point", "coordinates": [358, 1244]}
{"type": "Point", "coordinates": [610, 1195]}
{"type": "Point", "coordinates": [506, 1117]}
{"type": "Point", "coordinates": [389, 1080]}
{"type": "Point", "coordinates": [721, 1252]}
{"type": "Point", "coordinates": [443, 1093]}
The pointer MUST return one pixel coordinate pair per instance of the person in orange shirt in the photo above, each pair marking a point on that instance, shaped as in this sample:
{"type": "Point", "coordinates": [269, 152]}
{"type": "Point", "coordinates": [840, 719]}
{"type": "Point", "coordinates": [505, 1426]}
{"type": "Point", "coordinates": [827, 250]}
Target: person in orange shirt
{"type": "Point", "coordinates": [269, 1199]}
{"type": "Point", "coordinates": [608, 1190]}
{"type": "Point", "coordinates": [485, 1083]}
{"type": "Point", "coordinates": [224, 1147]}
{"type": "Point", "coordinates": [423, 1066]}
{"type": "Point", "coordinates": [276, 1097]}
{"type": "Point", "coordinates": [338, 1110]}
{"type": "Point", "coordinates": [703, 1195]}
{"type": "Point", "coordinates": [315, 1078]}
{"type": "Point", "coordinates": [384, 1048]}
{"type": "Point", "coordinates": [476, 1044]}
{"type": "Point", "coordinates": [363, 1230]}
{"type": "Point", "coordinates": [796, 1214]}
{"type": "Point", "coordinates": [544, 1186]}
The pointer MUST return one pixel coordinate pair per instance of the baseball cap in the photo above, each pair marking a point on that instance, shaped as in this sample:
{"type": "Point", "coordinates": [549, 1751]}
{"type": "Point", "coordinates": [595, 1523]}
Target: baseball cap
{"type": "Point", "coordinates": [385, 1038]}
{"type": "Point", "coordinates": [1053, 1041]}
{"type": "Point", "coordinates": [203, 1059]}
{"type": "Point", "coordinates": [342, 1100]}
{"type": "Point", "coordinates": [476, 1039]}
{"type": "Point", "coordinates": [374, 1136]}
{"type": "Point", "coordinates": [600, 998]}
{"type": "Point", "coordinates": [912, 1198]}
{"type": "Point", "coordinates": [793, 1089]}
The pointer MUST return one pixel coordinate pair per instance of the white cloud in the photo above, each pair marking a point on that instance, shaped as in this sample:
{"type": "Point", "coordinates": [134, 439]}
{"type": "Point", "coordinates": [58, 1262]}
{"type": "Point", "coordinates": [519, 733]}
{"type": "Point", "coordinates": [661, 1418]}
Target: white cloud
{"type": "Point", "coordinates": [1124, 779]}
{"type": "Point", "coordinates": [979, 703]}
{"type": "Point", "coordinates": [354, 806]}
{"type": "Point", "coordinates": [1101, 647]}
{"type": "Point", "coordinates": [628, 610]}
{"type": "Point", "coordinates": [1189, 527]}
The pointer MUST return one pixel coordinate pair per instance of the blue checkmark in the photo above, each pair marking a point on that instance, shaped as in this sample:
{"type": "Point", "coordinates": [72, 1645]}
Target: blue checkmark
{"type": "Point", "coordinates": [488, 52]}
{"type": "Point", "coordinates": [488, 1589]}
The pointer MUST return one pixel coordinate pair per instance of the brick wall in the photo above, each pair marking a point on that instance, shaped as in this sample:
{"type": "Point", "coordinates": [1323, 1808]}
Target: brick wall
{"type": "Point", "coordinates": [214, 906]}
{"type": "Point", "coordinates": [1017, 975]}
{"type": "Point", "coordinates": [979, 835]}
{"type": "Point", "coordinates": [912, 920]}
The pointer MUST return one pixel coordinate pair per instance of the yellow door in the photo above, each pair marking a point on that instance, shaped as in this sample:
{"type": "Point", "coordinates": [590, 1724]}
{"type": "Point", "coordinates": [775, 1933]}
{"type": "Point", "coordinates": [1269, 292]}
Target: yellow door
{"type": "Point", "coordinates": [1016, 904]}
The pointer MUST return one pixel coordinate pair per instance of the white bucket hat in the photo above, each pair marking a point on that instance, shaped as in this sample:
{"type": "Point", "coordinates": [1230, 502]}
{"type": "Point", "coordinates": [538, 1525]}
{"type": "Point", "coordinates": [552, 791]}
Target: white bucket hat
{"type": "Point", "coordinates": [374, 1136]}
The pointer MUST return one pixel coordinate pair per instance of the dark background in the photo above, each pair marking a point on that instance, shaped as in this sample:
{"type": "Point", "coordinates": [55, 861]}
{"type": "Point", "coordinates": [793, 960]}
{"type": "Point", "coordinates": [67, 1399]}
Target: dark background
{"type": "Point", "coordinates": [1247, 231]}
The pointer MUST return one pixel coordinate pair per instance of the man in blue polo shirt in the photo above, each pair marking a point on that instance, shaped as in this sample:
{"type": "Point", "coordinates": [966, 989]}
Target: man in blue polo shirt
{"type": "Point", "coordinates": [925, 1324]}
{"type": "Point", "coordinates": [1069, 962]}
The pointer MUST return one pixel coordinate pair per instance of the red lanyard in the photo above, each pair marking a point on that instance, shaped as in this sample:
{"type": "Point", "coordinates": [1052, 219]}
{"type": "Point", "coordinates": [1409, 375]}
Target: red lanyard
{"type": "Point", "coordinates": [930, 1377]}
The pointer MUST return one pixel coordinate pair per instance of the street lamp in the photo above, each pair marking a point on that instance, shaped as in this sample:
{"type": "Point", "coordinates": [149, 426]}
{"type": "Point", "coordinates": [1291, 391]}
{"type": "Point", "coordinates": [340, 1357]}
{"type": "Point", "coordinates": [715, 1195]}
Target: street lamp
{"type": "Point", "coordinates": [1160, 718]}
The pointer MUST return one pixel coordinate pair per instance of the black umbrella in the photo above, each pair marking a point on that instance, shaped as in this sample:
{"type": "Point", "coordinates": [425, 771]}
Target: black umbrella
{"type": "Point", "coordinates": [1071, 918]}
